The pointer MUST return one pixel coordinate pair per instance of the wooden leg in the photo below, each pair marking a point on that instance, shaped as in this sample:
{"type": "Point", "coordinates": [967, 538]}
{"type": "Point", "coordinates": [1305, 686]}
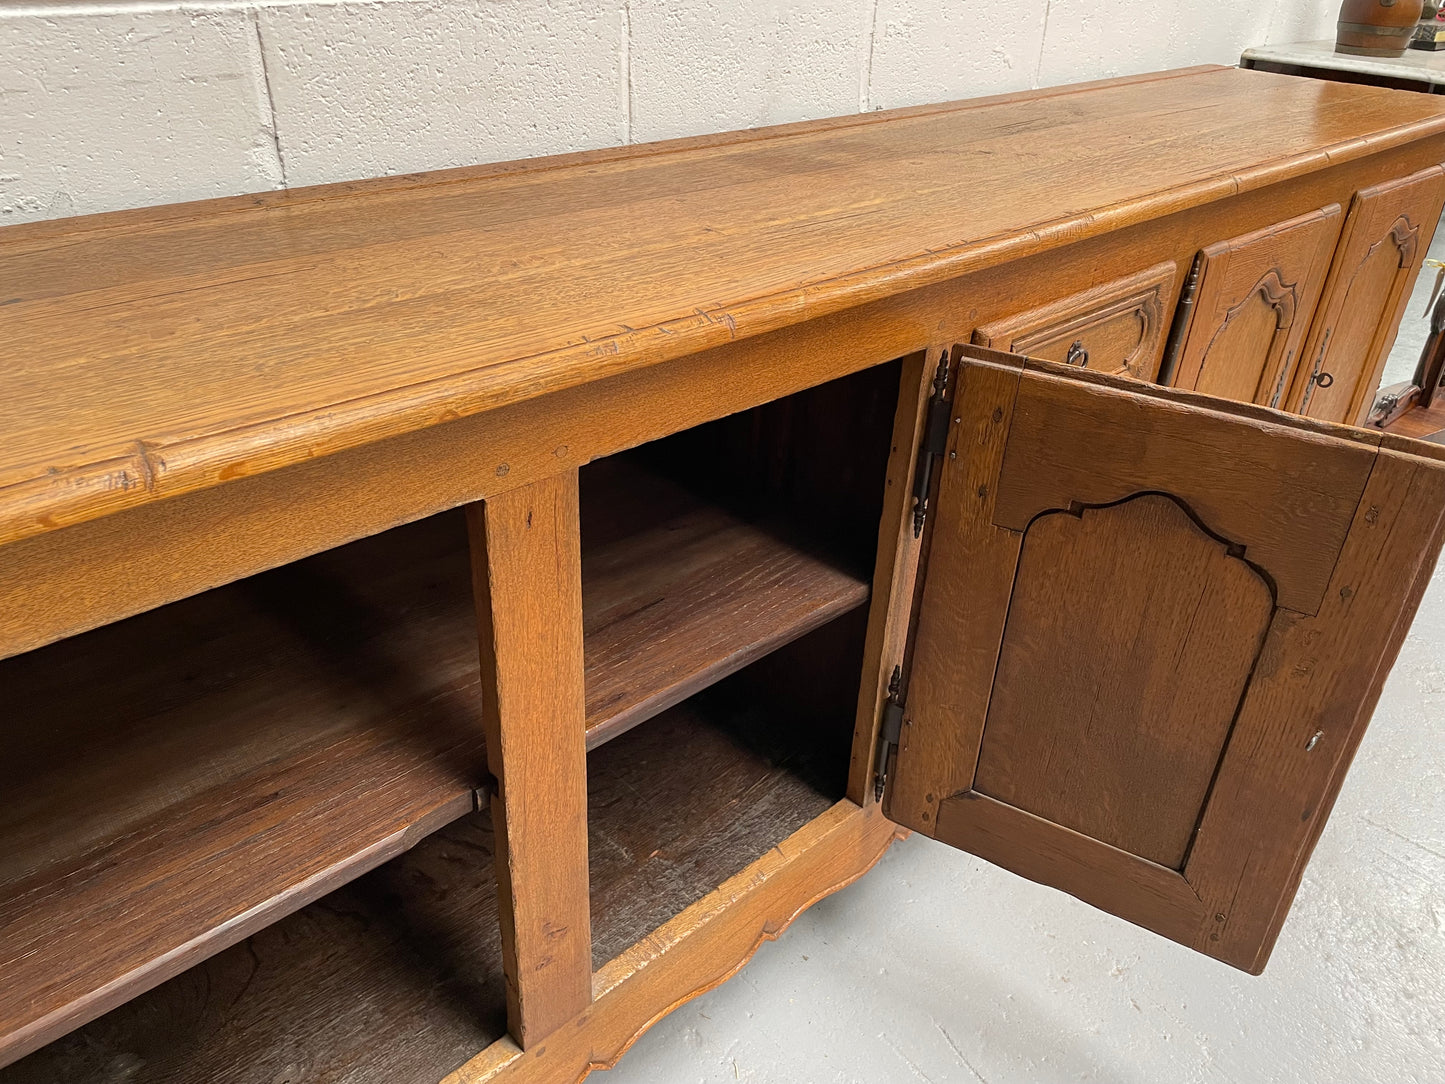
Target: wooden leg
{"type": "Point", "coordinates": [527, 577]}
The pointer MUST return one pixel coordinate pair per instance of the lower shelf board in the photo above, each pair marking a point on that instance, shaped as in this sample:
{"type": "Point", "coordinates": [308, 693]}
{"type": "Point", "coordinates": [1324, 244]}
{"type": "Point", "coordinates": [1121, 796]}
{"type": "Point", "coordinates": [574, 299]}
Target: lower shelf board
{"type": "Point", "coordinates": [184, 777]}
{"type": "Point", "coordinates": [396, 976]}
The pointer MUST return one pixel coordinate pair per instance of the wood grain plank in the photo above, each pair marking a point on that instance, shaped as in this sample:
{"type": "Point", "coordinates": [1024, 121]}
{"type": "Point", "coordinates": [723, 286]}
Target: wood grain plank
{"type": "Point", "coordinates": [1115, 327]}
{"type": "Point", "coordinates": [295, 329]}
{"type": "Point", "coordinates": [397, 976]}
{"type": "Point", "coordinates": [63, 582]}
{"type": "Point", "coordinates": [1319, 675]}
{"type": "Point", "coordinates": [1125, 654]}
{"type": "Point", "coordinates": [895, 570]}
{"type": "Point", "coordinates": [965, 590]}
{"type": "Point", "coordinates": [1301, 709]}
{"type": "Point", "coordinates": [678, 593]}
{"type": "Point", "coordinates": [66, 582]}
{"type": "Point", "coordinates": [1256, 298]}
{"type": "Point", "coordinates": [1382, 247]}
{"type": "Point", "coordinates": [526, 550]}
{"type": "Point", "coordinates": [1133, 888]}
{"type": "Point", "coordinates": [1252, 479]}
{"type": "Point", "coordinates": [722, 779]}
{"type": "Point", "coordinates": [254, 747]}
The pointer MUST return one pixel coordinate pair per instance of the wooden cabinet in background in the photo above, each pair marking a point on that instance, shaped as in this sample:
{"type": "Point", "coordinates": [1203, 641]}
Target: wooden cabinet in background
{"type": "Point", "coordinates": [1380, 252]}
{"type": "Point", "coordinates": [1117, 327]}
{"type": "Point", "coordinates": [1253, 297]}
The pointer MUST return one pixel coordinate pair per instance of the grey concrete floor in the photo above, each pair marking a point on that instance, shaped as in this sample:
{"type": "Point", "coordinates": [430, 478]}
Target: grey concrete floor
{"type": "Point", "coordinates": [937, 967]}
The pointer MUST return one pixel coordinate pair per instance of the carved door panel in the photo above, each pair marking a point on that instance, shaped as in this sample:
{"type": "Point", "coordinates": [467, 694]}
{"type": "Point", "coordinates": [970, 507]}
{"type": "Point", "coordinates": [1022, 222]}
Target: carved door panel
{"type": "Point", "coordinates": [1151, 629]}
{"type": "Point", "coordinates": [1253, 299]}
{"type": "Point", "coordinates": [1381, 249]}
{"type": "Point", "coordinates": [1114, 328]}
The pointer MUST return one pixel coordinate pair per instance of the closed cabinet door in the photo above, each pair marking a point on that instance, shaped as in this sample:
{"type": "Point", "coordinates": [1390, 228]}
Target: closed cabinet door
{"type": "Point", "coordinates": [1252, 300]}
{"type": "Point", "coordinates": [1151, 629]}
{"type": "Point", "coordinates": [1380, 252]}
{"type": "Point", "coordinates": [1117, 327]}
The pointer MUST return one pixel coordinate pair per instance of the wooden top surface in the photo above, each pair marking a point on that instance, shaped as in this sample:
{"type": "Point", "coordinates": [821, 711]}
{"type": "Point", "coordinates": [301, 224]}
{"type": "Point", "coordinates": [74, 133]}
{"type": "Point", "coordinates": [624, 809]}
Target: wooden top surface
{"type": "Point", "coordinates": [149, 353]}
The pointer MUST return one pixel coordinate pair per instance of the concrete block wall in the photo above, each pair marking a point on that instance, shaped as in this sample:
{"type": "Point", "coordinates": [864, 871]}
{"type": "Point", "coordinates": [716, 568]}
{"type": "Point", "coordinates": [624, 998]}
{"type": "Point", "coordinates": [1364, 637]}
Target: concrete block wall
{"type": "Point", "coordinates": [122, 103]}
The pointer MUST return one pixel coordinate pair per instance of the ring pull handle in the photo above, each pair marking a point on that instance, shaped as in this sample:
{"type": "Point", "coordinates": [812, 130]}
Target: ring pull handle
{"type": "Point", "coordinates": [1077, 355]}
{"type": "Point", "coordinates": [1324, 380]}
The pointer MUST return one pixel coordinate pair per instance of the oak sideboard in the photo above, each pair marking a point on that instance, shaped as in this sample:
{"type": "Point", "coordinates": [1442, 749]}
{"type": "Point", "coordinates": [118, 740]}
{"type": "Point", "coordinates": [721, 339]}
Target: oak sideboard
{"type": "Point", "coordinates": [451, 620]}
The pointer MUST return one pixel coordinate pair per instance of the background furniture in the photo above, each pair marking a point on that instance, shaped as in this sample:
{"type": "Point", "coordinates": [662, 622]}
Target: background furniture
{"type": "Point", "coordinates": [752, 535]}
{"type": "Point", "coordinates": [1418, 69]}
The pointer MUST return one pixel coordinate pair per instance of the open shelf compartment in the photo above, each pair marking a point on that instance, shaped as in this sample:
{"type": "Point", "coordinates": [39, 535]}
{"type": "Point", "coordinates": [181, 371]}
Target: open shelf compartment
{"type": "Point", "coordinates": [182, 779]}
{"type": "Point", "coordinates": [397, 975]}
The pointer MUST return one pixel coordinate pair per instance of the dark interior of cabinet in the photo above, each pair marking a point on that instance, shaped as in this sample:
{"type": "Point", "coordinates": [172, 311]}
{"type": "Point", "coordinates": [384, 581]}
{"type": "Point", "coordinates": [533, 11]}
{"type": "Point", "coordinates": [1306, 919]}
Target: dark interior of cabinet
{"type": "Point", "coordinates": [788, 498]}
{"type": "Point", "coordinates": [222, 781]}
{"type": "Point", "coordinates": [706, 550]}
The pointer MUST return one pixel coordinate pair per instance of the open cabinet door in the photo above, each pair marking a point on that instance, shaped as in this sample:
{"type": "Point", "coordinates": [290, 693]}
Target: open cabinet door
{"type": "Point", "coordinates": [1150, 631]}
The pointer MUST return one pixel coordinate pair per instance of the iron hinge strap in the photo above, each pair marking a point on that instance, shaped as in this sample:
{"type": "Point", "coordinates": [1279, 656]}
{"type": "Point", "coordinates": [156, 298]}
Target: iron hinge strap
{"type": "Point", "coordinates": [890, 731]}
{"type": "Point", "coordinates": [933, 445]}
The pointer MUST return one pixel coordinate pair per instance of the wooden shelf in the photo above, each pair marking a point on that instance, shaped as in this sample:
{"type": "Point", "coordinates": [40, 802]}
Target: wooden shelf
{"type": "Point", "coordinates": [397, 975]}
{"type": "Point", "coordinates": [678, 593]}
{"type": "Point", "coordinates": [184, 778]}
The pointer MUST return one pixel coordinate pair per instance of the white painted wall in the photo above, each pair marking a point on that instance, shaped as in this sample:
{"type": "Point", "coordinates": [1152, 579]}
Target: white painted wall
{"type": "Point", "coordinates": [115, 103]}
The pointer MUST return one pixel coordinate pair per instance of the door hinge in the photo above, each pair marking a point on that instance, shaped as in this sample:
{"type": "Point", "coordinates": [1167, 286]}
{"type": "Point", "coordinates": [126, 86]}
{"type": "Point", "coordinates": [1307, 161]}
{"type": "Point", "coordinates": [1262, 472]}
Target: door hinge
{"type": "Point", "coordinates": [934, 444]}
{"type": "Point", "coordinates": [890, 731]}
